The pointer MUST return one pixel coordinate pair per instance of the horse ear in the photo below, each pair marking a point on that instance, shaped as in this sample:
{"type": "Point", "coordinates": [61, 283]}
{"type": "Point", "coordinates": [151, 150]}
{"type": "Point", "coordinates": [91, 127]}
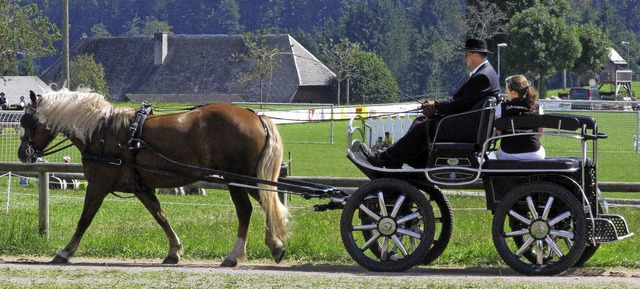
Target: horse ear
{"type": "Point", "coordinates": [33, 97]}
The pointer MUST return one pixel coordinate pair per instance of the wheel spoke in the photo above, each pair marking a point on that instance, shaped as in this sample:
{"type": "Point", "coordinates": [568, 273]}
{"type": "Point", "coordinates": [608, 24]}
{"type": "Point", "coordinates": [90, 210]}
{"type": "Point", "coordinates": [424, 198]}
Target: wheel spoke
{"type": "Point", "coordinates": [519, 217]}
{"type": "Point", "coordinates": [372, 240]}
{"type": "Point", "coordinates": [553, 246]}
{"type": "Point", "coordinates": [532, 208]}
{"type": "Point", "coordinates": [368, 227]}
{"type": "Point", "coordinates": [397, 205]}
{"type": "Point", "coordinates": [516, 233]}
{"type": "Point", "coordinates": [559, 218]}
{"type": "Point", "coordinates": [370, 213]}
{"type": "Point", "coordinates": [539, 252]}
{"type": "Point", "coordinates": [547, 208]}
{"type": "Point", "coordinates": [562, 234]}
{"type": "Point", "coordinates": [408, 218]}
{"type": "Point", "coordinates": [525, 246]}
{"type": "Point", "coordinates": [409, 233]}
{"type": "Point", "coordinates": [383, 205]}
{"type": "Point", "coordinates": [383, 249]}
{"type": "Point", "coordinates": [399, 245]}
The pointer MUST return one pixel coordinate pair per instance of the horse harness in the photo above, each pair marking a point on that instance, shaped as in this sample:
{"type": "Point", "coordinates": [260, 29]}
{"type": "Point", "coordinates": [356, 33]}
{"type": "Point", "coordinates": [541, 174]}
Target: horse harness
{"type": "Point", "coordinates": [133, 143]}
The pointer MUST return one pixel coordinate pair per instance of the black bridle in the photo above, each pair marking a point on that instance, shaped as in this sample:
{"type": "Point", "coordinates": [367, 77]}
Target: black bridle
{"type": "Point", "coordinates": [29, 122]}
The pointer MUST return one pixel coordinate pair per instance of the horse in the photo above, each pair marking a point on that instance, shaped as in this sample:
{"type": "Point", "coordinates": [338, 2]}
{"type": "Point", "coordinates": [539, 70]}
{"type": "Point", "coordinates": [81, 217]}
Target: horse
{"type": "Point", "coordinates": [216, 136]}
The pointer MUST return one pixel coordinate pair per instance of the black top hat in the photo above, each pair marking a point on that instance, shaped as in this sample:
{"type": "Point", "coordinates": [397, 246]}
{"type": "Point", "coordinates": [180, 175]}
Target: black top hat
{"type": "Point", "coordinates": [475, 45]}
{"type": "Point", "coordinates": [2, 93]}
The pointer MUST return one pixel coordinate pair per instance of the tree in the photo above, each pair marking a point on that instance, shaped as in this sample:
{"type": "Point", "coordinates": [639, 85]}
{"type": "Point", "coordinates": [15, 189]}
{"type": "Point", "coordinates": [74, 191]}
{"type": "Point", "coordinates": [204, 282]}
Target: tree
{"type": "Point", "coordinates": [595, 50]}
{"type": "Point", "coordinates": [87, 73]}
{"type": "Point", "coordinates": [100, 30]}
{"type": "Point", "coordinates": [341, 58]}
{"type": "Point", "coordinates": [153, 25]}
{"type": "Point", "coordinates": [484, 19]}
{"type": "Point", "coordinates": [132, 27]}
{"type": "Point", "coordinates": [228, 16]}
{"type": "Point", "coordinates": [24, 33]}
{"type": "Point", "coordinates": [383, 27]}
{"type": "Point", "coordinates": [374, 83]}
{"type": "Point", "coordinates": [539, 42]}
{"type": "Point", "coordinates": [261, 57]}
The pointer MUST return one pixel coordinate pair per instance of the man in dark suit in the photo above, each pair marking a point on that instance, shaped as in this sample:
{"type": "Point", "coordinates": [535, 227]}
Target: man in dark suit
{"type": "Point", "coordinates": [412, 148]}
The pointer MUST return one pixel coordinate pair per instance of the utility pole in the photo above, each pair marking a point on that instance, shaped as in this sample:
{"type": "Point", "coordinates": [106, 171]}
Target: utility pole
{"type": "Point", "coordinates": [66, 79]}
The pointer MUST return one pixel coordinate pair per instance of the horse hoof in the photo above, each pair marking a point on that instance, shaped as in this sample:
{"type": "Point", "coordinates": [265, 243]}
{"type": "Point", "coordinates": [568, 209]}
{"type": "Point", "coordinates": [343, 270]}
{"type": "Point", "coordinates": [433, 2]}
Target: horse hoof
{"type": "Point", "coordinates": [171, 260]}
{"type": "Point", "coordinates": [60, 260]}
{"type": "Point", "coordinates": [278, 255]}
{"type": "Point", "coordinates": [229, 263]}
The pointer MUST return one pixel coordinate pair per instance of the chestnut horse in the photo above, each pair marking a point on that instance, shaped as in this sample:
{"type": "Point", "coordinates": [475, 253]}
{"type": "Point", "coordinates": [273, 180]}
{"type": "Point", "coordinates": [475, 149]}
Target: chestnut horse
{"type": "Point", "coordinates": [216, 136]}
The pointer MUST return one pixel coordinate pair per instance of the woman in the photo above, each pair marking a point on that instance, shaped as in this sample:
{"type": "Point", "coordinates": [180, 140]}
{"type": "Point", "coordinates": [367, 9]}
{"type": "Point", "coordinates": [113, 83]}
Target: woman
{"type": "Point", "coordinates": [522, 100]}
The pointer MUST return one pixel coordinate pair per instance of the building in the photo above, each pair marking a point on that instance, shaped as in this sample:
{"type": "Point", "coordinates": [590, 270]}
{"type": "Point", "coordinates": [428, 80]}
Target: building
{"type": "Point", "coordinates": [617, 73]}
{"type": "Point", "coordinates": [202, 69]}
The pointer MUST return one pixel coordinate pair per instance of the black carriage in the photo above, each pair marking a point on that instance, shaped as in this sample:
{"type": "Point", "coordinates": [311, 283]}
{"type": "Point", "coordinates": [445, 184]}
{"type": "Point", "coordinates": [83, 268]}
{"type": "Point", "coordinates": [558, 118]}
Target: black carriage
{"type": "Point", "coordinates": [548, 215]}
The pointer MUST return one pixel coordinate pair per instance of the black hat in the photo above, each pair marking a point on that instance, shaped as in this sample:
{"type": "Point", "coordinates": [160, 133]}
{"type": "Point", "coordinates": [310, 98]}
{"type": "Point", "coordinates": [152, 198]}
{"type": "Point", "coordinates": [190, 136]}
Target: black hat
{"type": "Point", "coordinates": [2, 93]}
{"type": "Point", "coordinates": [476, 45]}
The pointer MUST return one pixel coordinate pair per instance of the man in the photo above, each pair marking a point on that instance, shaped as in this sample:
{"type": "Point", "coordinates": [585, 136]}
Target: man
{"type": "Point", "coordinates": [412, 148]}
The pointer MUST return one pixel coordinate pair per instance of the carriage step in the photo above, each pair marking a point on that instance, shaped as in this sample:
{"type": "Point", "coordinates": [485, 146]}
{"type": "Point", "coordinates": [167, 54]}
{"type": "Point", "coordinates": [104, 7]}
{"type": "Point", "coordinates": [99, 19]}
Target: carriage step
{"type": "Point", "coordinates": [609, 228]}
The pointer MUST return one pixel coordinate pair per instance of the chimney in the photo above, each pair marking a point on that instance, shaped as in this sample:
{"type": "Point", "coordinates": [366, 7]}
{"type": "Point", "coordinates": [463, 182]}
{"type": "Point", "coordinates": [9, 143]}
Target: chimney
{"type": "Point", "coordinates": [160, 48]}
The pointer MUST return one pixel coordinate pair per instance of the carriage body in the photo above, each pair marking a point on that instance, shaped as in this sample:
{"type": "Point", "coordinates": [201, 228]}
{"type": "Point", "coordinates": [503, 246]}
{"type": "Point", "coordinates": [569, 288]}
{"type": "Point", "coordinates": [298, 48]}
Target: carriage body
{"type": "Point", "coordinates": [548, 215]}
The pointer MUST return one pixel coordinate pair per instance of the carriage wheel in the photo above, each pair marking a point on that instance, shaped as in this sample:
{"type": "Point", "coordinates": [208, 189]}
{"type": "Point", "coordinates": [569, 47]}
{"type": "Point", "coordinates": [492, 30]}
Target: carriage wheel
{"type": "Point", "coordinates": [589, 251]}
{"type": "Point", "coordinates": [551, 222]}
{"type": "Point", "coordinates": [399, 223]}
{"type": "Point", "coordinates": [443, 224]}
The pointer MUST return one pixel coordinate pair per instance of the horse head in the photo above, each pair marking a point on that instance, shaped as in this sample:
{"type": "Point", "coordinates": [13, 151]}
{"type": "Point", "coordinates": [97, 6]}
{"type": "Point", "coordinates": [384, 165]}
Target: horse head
{"type": "Point", "coordinates": [36, 136]}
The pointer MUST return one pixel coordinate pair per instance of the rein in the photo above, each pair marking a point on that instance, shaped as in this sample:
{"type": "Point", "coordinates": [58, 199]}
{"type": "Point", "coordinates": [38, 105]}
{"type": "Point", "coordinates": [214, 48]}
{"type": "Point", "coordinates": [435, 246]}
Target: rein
{"type": "Point", "coordinates": [50, 150]}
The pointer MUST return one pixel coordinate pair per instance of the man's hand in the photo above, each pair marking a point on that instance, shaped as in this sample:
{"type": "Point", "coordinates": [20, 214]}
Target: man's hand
{"type": "Point", "coordinates": [429, 107]}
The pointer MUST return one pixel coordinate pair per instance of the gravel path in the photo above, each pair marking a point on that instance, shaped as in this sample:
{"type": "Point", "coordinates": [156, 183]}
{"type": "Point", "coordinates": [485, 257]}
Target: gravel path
{"type": "Point", "coordinates": [116, 274]}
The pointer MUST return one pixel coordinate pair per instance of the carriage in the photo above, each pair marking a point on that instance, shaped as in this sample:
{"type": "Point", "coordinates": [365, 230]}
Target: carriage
{"type": "Point", "coordinates": [549, 214]}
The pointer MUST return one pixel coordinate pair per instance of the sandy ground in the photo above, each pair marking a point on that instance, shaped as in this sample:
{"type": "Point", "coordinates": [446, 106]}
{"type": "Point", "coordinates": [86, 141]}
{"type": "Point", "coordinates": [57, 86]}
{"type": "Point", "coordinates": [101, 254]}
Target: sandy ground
{"type": "Point", "coordinates": [576, 277]}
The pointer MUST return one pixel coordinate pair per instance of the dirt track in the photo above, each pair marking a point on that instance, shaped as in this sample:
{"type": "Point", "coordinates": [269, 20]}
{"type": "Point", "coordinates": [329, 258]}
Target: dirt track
{"type": "Point", "coordinates": [98, 273]}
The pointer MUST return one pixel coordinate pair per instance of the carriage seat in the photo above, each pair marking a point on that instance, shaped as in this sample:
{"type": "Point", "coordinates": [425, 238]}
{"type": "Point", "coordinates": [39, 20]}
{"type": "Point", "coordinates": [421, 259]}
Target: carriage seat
{"type": "Point", "coordinates": [466, 131]}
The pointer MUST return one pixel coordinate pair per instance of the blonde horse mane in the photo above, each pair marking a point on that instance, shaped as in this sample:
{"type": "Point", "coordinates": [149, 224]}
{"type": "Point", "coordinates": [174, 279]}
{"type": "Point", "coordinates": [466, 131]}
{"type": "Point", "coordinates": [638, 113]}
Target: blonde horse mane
{"type": "Point", "coordinates": [79, 113]}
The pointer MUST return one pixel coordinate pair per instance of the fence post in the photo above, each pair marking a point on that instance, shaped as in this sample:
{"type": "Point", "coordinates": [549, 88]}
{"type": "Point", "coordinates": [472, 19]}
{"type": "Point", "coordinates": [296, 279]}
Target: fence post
{"type": "Point", "coordinates": [43, 204]}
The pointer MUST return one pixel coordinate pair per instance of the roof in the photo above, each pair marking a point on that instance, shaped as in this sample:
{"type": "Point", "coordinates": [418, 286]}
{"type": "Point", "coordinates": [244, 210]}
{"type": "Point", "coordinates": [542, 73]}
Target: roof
{"type": "Point", "coordinates": [615, 57]}
{"type": "Point", "coordinates": [198, 67]}
{"type": "Point", "coordinates": [16, 86]}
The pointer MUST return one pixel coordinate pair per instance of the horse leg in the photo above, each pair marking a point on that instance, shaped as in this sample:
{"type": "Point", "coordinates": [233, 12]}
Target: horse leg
{"type": "Point", "coordinates": [151, 202]}
{"type": "Point", "coordinates": [271, 238]}
{"type": "Point", "coordinates": [244, 209]}
{"type": "Point", "coordinates": [92, 201]}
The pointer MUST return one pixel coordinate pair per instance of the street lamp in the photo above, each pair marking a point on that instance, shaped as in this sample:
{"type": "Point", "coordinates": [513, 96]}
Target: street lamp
{"type": "Point", "coordinates": [500, 45]}
{"type": "Point", "coordinates": [627, 44]}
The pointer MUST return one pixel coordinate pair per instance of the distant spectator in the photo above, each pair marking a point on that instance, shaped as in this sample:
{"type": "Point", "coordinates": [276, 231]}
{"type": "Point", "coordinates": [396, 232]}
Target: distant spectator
{"type": "Point", "coordinates": [379, 145]}
{"type": "Point", "coordinates": [22, 104]}
{"type": "Point", "coordinates": [388, 140]}
{"type": "Point", "coordinates": [3, 101]}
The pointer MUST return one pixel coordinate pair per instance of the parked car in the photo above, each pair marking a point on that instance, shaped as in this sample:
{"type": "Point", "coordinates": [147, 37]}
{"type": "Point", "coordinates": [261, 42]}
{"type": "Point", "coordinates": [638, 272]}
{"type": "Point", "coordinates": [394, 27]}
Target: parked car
{"type": "Point", "coordinates": [583, 93]}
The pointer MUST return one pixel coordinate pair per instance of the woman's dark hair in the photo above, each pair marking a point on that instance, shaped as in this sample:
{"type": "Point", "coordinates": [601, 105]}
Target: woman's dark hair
{"type": "Point", "coordinates": [525, 91]}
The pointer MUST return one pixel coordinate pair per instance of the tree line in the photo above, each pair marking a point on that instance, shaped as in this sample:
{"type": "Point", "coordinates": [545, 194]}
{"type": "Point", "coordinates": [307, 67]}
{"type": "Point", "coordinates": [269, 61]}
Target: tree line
{"type": "Point", "coordinates": [383, 50]}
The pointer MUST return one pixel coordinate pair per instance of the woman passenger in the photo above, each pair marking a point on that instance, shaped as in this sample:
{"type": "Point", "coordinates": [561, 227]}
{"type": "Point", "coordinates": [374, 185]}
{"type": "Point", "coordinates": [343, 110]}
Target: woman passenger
{"type": "Point", "coordinates": [522, 101]}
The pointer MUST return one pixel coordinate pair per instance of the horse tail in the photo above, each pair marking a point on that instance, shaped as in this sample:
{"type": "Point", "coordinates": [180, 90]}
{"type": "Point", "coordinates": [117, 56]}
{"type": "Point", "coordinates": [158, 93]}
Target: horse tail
{"type": "Point", "coordinates": [269, 169]}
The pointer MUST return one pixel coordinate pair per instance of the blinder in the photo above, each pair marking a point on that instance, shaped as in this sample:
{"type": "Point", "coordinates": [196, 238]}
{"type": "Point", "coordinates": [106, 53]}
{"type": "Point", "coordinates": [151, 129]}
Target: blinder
{"type": "Point", "coordinates": [28, 121]}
